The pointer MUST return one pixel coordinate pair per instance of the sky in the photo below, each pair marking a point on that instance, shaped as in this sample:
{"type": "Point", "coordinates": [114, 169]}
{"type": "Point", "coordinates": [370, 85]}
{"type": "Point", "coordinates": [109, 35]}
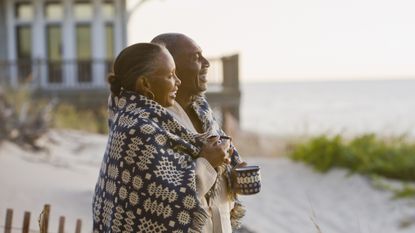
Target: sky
{"type": "Point", "coordinates": [291, 39]}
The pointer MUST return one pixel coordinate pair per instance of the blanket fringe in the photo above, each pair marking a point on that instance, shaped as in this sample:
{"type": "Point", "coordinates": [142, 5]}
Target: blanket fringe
{"type": "Point", "coordinates": [216, 188]}
{"type": "Point", "coordinates": [237, 213]}
{"type": "Point", "coordinates": [199, 221]}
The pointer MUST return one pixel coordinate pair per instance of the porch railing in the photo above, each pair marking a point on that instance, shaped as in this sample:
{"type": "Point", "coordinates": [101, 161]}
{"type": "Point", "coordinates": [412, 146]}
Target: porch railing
{"type": "Point", "coordinates": [85, 81]}
{"type": "Point", "coordinates": [46, 74]}
{"type": "Point", "coordinates": [72, 74]}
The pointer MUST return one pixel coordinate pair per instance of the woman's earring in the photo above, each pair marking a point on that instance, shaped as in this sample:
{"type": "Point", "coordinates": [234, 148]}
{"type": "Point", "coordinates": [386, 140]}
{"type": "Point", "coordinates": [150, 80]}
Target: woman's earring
{"type": "Point", "coordinates": [150, 95]}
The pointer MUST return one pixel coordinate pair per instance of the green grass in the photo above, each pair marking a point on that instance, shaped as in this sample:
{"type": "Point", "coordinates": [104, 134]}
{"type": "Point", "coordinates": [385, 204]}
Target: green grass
{"type": "Point", "coordinates": [367, 154]}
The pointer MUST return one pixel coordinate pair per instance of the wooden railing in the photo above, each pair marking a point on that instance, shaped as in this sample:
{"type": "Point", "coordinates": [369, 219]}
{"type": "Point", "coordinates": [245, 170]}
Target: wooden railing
{"type": "Point", "coordinates": [55, 74]}
{"type": "Point", "coordinates": [84, 82]}
{"type": "Point", "coordinates": [73, 74]}
{"type": "Point", "coordinates": [43, 220]}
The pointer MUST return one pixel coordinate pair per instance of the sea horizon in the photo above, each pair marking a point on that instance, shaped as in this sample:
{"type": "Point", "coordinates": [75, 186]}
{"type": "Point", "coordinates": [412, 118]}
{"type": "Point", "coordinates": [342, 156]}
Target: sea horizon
{"type": "Point", "coordinates": [353, 107]}
{"type": "Point", "coordinates": [250, 80]}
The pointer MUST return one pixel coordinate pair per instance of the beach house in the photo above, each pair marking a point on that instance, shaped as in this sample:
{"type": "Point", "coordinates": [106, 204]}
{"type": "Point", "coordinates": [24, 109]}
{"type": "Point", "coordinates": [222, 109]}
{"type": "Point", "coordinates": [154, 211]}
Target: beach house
{"type": "Point", "coordinates": [65, 49]}
{"type": "Point", "coordinates": [60, 44]}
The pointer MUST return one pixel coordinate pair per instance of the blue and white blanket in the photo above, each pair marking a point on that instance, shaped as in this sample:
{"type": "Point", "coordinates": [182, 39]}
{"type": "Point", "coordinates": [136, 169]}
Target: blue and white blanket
{"type": "Point", "coordinates": [147, 179]}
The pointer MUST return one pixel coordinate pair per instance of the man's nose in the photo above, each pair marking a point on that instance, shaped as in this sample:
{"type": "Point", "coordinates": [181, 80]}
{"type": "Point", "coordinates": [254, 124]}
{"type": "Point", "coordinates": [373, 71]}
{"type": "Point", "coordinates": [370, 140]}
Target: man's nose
{"type": "Point", "coordinates": [205, 62]}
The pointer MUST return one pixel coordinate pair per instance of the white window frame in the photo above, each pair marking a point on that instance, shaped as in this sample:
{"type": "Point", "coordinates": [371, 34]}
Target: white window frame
{"type": "Point", "coordinates": [68, 26]}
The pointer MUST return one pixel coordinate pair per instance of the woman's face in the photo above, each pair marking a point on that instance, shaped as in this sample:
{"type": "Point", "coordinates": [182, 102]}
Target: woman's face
{"type": "Point", "coordinates": [164, 82]}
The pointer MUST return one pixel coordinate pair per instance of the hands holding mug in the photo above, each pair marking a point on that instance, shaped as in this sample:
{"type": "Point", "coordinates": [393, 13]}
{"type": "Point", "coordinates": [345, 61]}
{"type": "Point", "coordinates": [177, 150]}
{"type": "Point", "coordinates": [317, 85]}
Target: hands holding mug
{"type": "Point", "coordinates": [246, 180]}
{"type": "Point", "coordinates": [217, 150]}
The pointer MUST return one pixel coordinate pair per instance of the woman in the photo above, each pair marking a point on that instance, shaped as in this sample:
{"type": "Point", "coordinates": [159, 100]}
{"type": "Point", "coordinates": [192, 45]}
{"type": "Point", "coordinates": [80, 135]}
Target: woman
{"type": "Point", "coordinates": [147, 179]}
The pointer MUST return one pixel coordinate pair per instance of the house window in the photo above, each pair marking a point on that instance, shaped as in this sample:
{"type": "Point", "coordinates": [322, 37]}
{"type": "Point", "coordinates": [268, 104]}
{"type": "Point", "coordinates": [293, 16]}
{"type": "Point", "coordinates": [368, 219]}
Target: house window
{"type": "Point", "coordinates": [24, 52]}
{"type": "Point", "coordinates": [54, 50]}
{"type": "Point", "coordinates": [24, 11]}
{"type": "Point", "coordinates": [54, 19]}
{"type": "Point", "coordinates": [53, 11]}
{"type": "Point", "coordinates": [83, 11]}
{"type": "Point", "coordinates": [108, 14]}
{"type": "Point", "coordinates": [84, 52]}
{"type": "Point", "coordinates": [54, 15]}
{"type": "Point", "coordinates": [108, 11]}
{"type": "Point", "coordinates": [24, 42]}
{"type": "Point", "coordinates": [109, 47]}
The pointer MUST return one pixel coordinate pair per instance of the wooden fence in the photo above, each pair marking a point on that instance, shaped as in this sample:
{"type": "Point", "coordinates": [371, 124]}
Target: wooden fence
{"type": "Point", "coordinates": [43, 220]}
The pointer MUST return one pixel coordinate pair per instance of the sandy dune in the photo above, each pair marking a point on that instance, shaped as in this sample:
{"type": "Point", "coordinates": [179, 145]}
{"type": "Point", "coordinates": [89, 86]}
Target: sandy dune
{"type": "Point", "coordinates": [294, 198]}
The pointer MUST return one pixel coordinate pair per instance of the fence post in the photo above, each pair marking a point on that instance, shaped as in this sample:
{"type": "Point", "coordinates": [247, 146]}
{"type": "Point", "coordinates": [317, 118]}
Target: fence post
{"type": "Point", "coordinates": [26, 222]}
{"type": "Point", "coordinates": [9, 219]}
{"type": "Point", "coordinates": [61, 228]}
{"type": "Point", "coordinates": [44, 219]}
{"type": "Point", "coordinates": [78, 226]}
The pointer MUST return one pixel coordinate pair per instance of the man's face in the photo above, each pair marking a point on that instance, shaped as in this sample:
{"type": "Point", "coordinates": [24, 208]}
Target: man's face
{"type": "Point", "coordinates": [191, 66]}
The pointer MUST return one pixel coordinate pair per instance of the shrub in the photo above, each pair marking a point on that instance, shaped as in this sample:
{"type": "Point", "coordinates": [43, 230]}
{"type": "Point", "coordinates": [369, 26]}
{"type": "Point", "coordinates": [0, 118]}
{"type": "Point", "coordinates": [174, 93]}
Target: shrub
{"type": "Point", "coordinates": [23, 120]}
{"type": "Point", "coordinates": [68, 116]}
{"type": "Point", "coordinates": [366, 154]}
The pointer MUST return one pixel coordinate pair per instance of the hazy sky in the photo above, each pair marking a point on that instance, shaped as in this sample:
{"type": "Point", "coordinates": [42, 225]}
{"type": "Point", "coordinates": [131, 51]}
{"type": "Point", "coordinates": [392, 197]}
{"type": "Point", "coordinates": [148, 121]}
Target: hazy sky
{"type": "Point", "coordinates": [292, 39]}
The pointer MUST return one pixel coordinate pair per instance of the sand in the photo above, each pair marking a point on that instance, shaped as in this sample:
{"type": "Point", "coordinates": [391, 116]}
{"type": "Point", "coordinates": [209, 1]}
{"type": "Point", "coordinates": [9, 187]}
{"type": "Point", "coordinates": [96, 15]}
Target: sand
{"type": "Point", "coordinates": [293, 197]}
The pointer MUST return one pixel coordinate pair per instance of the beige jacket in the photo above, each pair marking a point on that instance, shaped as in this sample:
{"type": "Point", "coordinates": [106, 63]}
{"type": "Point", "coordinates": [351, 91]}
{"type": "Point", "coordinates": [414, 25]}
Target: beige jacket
{"type": "Point", "coordinates": [220, 206]}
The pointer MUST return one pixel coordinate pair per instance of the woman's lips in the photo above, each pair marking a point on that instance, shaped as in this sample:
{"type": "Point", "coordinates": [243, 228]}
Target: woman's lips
{"type": "Point", "coordinates": [173, 94]}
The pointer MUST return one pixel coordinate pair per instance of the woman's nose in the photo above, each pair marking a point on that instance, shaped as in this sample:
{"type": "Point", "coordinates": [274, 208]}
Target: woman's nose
{"type": "Point", "coordinates": [178, 81]}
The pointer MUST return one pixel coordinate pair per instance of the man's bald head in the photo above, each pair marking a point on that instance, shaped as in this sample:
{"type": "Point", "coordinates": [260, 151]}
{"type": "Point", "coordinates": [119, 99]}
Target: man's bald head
{"type": "Point", "coordinates": [191, 66]}
{"type": "Point", "coordinates": [172, 41]}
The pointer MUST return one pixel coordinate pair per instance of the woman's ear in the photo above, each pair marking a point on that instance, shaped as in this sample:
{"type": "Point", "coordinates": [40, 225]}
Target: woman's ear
{"type": "Point", "coordinates": [143, 86]}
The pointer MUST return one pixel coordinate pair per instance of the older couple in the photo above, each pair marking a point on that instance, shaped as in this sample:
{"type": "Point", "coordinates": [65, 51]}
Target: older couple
{"type": "Point", "coordinates": [165, 168]}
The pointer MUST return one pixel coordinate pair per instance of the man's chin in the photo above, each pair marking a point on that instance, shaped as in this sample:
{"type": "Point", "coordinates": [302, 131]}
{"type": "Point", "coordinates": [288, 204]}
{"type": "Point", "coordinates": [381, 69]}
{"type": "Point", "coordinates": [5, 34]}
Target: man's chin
{"type": "Point", "coordinates": [202, 88]}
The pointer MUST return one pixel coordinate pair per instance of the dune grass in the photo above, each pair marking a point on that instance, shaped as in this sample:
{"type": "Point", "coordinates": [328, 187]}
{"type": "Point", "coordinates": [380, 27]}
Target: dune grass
{"type": "Point", "coordinates": [68, 116]}
{"type": "Point", "coordinates": [64, 115]}
{"type": "Point", "coordinates": [366, 154]}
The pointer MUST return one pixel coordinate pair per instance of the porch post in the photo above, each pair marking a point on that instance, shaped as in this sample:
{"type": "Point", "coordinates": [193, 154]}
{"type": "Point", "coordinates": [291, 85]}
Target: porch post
{"type": "Point", "coordinates": [120, 25]}
{"type": "Point", "coordinates": [39, 55]}
{"type": "Point", "coordinates": [69, 46]}
{"type": "Point", "coordinates": [98, 45]}
{"type": "Point", "coordinates": [11, 43]}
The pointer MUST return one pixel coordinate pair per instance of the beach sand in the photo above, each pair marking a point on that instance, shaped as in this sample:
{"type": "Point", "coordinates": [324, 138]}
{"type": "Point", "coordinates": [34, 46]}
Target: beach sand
{"type": "Point", "coordinates": [293, 196]}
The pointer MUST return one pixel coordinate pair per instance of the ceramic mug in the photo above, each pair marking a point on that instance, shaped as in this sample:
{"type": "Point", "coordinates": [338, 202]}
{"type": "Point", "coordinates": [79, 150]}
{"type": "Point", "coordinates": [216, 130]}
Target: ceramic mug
{"type": "Point", "coordinates": [247, 180]}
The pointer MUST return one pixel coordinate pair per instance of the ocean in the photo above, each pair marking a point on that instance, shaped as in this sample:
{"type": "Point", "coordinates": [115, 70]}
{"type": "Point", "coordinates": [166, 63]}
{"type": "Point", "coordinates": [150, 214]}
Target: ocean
{"type": "Point", "coordinates": [385, 107]}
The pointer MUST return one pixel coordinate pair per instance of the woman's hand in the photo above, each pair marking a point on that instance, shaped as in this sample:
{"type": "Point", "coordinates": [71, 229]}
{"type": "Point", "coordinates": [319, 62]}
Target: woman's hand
{"type": "Point", "coordinates": [216, 151]}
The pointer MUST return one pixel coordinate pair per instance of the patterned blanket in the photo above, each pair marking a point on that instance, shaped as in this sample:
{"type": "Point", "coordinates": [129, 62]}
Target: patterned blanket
{"type": "Point", "coordinates": [147, 179]}
{"type": "Point", "coordinates": [210, 125]}
{"type": "Point", "coordinates": [205, 114]}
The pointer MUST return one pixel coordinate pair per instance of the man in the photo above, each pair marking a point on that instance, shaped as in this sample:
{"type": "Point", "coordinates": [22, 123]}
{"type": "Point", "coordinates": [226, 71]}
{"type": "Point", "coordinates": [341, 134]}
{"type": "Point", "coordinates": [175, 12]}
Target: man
{"type": "Point", "coordinates": [193, 112]}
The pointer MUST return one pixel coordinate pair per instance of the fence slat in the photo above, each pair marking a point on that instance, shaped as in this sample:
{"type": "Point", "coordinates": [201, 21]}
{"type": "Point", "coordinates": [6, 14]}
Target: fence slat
{"type": "Point", "coordinates": [78, 226]}
{"type": "Point", "coordinates": [61, 228]}
{"type": "Point", "coordinates": [26, 222]}
{"type": "Point", "coordinates": [44, 219]}
{"type": "Point", "coordinates": [9, 219]}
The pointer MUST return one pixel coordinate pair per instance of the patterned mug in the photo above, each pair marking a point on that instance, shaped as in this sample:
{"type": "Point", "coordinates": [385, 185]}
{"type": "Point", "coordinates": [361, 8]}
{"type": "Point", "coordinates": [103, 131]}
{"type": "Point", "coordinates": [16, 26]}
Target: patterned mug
{"type": "Point", "coordinates": [247, 180]}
